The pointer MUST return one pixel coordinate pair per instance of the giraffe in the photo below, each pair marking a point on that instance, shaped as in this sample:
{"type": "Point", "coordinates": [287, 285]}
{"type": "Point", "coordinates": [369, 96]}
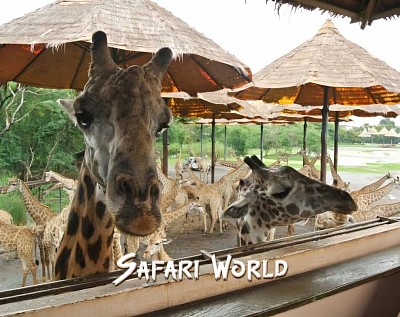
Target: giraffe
{"type": "Point", "coordinates": [308, 168]}
{"type": "Point", "coordinates": [156, 238]}
{"type": "Point", "coordinates": [206, 195]}
{"type": "Point", "coordinates": [6, 217]}
{"type": "Point", "coordinates": [282, 158]}
{"type": "Point", "coordinates": [178, 168]}
{"type": "Point", "coordinates": [203, 166]}
{"type": "Point", "coordinates": [68, 184]}
{"type": "Point", "coordinates": [119, 112]}
{"type": "Point", "coordinates": [371, 187]}
{"type": "Point", "coordinates": [364, 201]}
{"type": "Point", "coordinates": [41, 214]}
{"type": "Point", "coordinates": [22, 240]}
{"type": "Point", "coordinates": [279, 196]}
{"type": "Point", "coordinates": [337, 180]}
{"type": "Point", "coordinates": [229, 163]}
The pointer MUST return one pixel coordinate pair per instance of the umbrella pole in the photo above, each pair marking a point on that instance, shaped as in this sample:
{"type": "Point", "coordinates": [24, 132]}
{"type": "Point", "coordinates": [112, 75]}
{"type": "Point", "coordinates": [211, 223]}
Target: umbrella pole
{"type": "Point", "coordinates": [212, 148]}
{"type": "Point", "coordinates": [336, 142]}
{"type": "Point", "coordinates": [201, 140]}
{"type": "Point", "coordinates": [225, 144]}
{"type": "Point", "coordinates": [261, 141]}
{"type": "Point", "coordinates": [325, 110]}
{"type": "Point", "coordinates": [164, 163]}
{"type": "Point", "coordinates": [304, 139]}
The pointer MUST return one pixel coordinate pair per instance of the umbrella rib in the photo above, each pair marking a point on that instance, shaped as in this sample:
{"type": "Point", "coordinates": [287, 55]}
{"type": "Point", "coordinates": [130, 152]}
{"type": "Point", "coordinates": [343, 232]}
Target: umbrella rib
{"type": "Point", "coordinates": [130, 56]}
{"type": "Point", "coordinates": [206, 71]}
{"type": "Point", "coordinates": [173, 80]}
{"type": "Point", "coordinates": [78, 68]}
{"type": "Point", "coordinates": [370, 94]}
{"type": "Point", "coordinates": [29, 64]}
{"type": "Point", "coordinates": [298, 93]}
{"type": "Point", "coordinates": [264, 93]}
{"type": "Point", "coordinates": [83, 45]}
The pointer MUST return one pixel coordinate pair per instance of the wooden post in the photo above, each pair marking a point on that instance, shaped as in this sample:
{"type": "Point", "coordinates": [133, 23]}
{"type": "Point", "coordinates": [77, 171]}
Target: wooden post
{"type": "Point", "coordinates": [201, 141]}
{"type": "Point", "coordinates": [212, 148]}
{"type": "Point", "coordinates": [59, 200]}
{"type": "Point", "coordinates": [225, 144]}
{"type": "Point", "coordinates": [165, 152]}
{"type": "Point", "coordinates": [261, 141]}
{"type": "Point", "coordinates": [336, 141]}
{"type": "Point", "coordinates": [324, 132]}
{"type": "Point", "coordinates": [304, 139]}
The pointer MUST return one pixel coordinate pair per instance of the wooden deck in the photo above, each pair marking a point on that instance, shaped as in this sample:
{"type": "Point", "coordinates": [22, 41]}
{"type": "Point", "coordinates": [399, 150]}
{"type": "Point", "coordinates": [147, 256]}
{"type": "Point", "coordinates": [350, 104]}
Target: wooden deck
{"type": "Point", "coordinates": [321, 265]}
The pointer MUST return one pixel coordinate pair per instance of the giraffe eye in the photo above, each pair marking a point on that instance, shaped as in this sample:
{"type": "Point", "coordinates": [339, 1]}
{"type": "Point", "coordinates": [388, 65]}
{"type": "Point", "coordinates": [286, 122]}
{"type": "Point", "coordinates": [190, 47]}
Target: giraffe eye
{"type": "Point", "coordinates": [84, 119]}
{"type": "Point", "coordinates": [282, 194]}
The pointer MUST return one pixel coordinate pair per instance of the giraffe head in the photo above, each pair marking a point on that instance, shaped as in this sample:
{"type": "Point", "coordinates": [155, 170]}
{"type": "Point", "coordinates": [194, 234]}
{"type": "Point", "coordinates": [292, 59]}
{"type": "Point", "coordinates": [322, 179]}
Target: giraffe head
{"type": "Point", "coordinates": [275, 196]}
{"type": "Point", "coordinates": [119, 112]}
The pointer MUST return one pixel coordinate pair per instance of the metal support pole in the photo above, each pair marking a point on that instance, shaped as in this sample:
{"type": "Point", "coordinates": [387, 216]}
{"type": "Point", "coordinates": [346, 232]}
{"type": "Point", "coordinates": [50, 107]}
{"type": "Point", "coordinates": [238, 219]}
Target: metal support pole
{"type": "Point", "coordinates": [304, 139]}
{"type": "Point", "coordinates": [225, 144]}
{"type": "Point", "coordinates": [165, 152]}
{"type": "Point", "coordinates": [212, 148]}
{"type": "Point", "coordinates": [336, 142]}
{"type": "Point", "coordinates": [324, 132]}
{"type": "Point", "coordinates": [201, 140]}
{"type": "Point", "coordinates": [261, 141]}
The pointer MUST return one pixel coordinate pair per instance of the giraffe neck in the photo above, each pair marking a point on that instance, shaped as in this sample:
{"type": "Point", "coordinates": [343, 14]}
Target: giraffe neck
{"type": "Point", "coordinates": [370, 187]}
{"type": "Point", "coordinates": [176, 214]}
{"type": "Point", "coordinates": [305, 157]}
{"type": "Point", "coordinates": [369, 198]}
{"type": "Point", "coordinates": [40, 213]}
{"type": "Point", "coordinates": [335, 175]}
{"type": "Point", "coordinates": [87, 242]}
{"type": "Point", "coordinates": [314, 160]}
{"type": "Point", "coordinates": [69, 182]}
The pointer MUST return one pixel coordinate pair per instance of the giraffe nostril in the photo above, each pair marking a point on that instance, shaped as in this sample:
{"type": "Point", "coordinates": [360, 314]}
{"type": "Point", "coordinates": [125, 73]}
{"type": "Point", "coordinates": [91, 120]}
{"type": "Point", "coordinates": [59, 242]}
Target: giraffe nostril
{"type": "Point", "coordinates": [123, 185]}
{"type": "Point", "coordinates": [154, 192]}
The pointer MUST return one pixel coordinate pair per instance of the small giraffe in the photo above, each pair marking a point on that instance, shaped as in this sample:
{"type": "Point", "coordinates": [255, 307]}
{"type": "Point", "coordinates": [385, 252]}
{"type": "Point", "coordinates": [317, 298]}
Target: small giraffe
{"type": "Point", "coordinates": [41, 214]}
{"type": "Point", "coordinates": [309, 169]}
{"type": "Point", "coordinates": [23, 240]}
{"type": "Point", "coordinates": [206, 195]}
{"type": "Point", "coordinates": [179, 168]}
{"type": "Point", "coordinates": [279, 196]}
{"type": "Point", "coordinates": [282, 158]}
{"type": "Point", "coordinates": [172, 217]}
{"type": "Point", "coordinates": [229, 163]}
{"type": "Point", "coordinates": [337, 180]}
{"type": "Point", "coordinates": [119, 112]}
{"type": "Point", "coordinates": [204, 167]}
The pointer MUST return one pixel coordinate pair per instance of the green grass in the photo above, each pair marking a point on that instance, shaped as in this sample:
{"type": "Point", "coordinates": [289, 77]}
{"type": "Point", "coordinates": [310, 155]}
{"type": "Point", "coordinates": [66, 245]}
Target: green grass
{"type": "Point", "coordinates": [378, 168]}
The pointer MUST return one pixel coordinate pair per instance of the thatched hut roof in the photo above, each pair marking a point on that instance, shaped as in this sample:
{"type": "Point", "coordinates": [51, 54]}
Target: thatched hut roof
{"type": "Point", "coordinates": [364, 12]}
{"type": "Point", "coordinates": [50, 46]}
{"type": "Point", "coordinates": [354, 76]}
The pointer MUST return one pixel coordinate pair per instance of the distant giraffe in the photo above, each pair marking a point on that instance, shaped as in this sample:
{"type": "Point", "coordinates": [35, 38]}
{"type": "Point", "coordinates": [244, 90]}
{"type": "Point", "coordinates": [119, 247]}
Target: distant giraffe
{"type": "Point", "coordinates": [282, 158]}
{"type": "Point", "coordinates": [41, 214]}
{"type": "Point", "coordinates": [371, 187]}
{"type": "Point", "coordinates": [337, 180]}
{"type": "Point", "coordinates": [203, 166]}
{"type": "Point", "coordinates": [22, 240]}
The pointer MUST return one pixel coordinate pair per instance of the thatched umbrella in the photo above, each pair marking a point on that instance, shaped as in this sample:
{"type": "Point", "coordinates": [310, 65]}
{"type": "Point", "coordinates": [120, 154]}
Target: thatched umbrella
{"type": "Point", "coordinates": [327, 69]}
{"type": "Point", "coordinates": [364, 12]}
{"type": "Point", "coordinates": [215, 105]}
{"type": "Point", "coordinates": [392, 134]}
{"type": "Point", "coordinates": [50, 46]}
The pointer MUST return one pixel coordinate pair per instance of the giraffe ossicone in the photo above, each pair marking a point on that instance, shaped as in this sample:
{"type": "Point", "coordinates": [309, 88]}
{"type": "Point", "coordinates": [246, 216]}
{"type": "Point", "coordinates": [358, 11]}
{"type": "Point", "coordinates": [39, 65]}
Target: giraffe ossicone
{"type": "Point", "coordinates": [119, 112]}
{"type": "Point", "coordinates": [279, 196]}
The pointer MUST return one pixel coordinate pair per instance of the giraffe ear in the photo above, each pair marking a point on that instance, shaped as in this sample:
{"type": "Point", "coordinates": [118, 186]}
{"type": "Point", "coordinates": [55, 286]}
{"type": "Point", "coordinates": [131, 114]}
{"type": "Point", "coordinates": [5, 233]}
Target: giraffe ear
{"type": "Point", "coordinates": [159, 63]}
{"type": "Point", "coordinates": [68, 106]}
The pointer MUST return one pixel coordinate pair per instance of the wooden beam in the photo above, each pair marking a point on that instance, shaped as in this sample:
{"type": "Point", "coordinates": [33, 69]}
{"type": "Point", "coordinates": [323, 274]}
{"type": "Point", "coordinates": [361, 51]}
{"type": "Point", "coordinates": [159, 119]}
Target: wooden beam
{"type": "Point", "coordinates": [368, 12]}
{"type": "Point", "coordinates": [329, 7]}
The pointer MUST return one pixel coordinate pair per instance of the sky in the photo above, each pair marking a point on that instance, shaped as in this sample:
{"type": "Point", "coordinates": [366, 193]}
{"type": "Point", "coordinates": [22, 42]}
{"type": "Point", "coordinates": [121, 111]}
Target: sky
{"type": "Point", "coordinates": [255, 33]}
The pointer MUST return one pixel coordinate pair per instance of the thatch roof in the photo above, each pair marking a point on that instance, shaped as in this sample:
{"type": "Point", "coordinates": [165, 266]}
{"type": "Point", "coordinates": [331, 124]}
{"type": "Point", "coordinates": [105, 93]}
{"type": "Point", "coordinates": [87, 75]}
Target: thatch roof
{"type": "Point", "coordinates": [354, 77]}
{"type": "Point", "coordinates": [364, 12]}
{"type": "Point", "coordinates": [205, 105]}
{"type": "Point", "coordinates": [373, 131]}
{"type": "Point", "coordinates": [364, 134]}
{"type": "Point", "coordinates": [50, 46]}
{"type": "Point", "coordinates": [392, 133]}
{"type": "Point", "coordinates": [383, 131]}
{"type": "Point", "coordinates": [343, 111]}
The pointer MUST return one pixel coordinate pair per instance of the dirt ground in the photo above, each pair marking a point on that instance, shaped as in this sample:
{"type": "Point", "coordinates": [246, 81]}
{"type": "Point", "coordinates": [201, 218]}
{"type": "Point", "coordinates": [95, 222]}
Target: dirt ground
{"type": "Point", "coordinates": [189, 239]}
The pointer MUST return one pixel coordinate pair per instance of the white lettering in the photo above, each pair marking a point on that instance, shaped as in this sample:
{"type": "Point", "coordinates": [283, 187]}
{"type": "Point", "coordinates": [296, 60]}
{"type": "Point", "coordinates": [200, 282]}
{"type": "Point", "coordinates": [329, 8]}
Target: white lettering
{"type": "Point", "coordinates": [184, 267]}
{"type": "Point", "coordinates": [221, 267]}
{"type": "Point", "coordinates": [238, 269]}
{"type": "Point", "coordinates": [265, 270]}
{"type": "Point", "coordinates": [170, 269]}
{"type": "Point", "coordinates": [131, 266]}
{"type": "Point", "coordinates": [284, 265]}
{"type": "Point", "coordinates": [143, 269]}
{"type": "Point", "coordinates": [253, 266]}
{"type": "Point", "coordinates": [155, 265]}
